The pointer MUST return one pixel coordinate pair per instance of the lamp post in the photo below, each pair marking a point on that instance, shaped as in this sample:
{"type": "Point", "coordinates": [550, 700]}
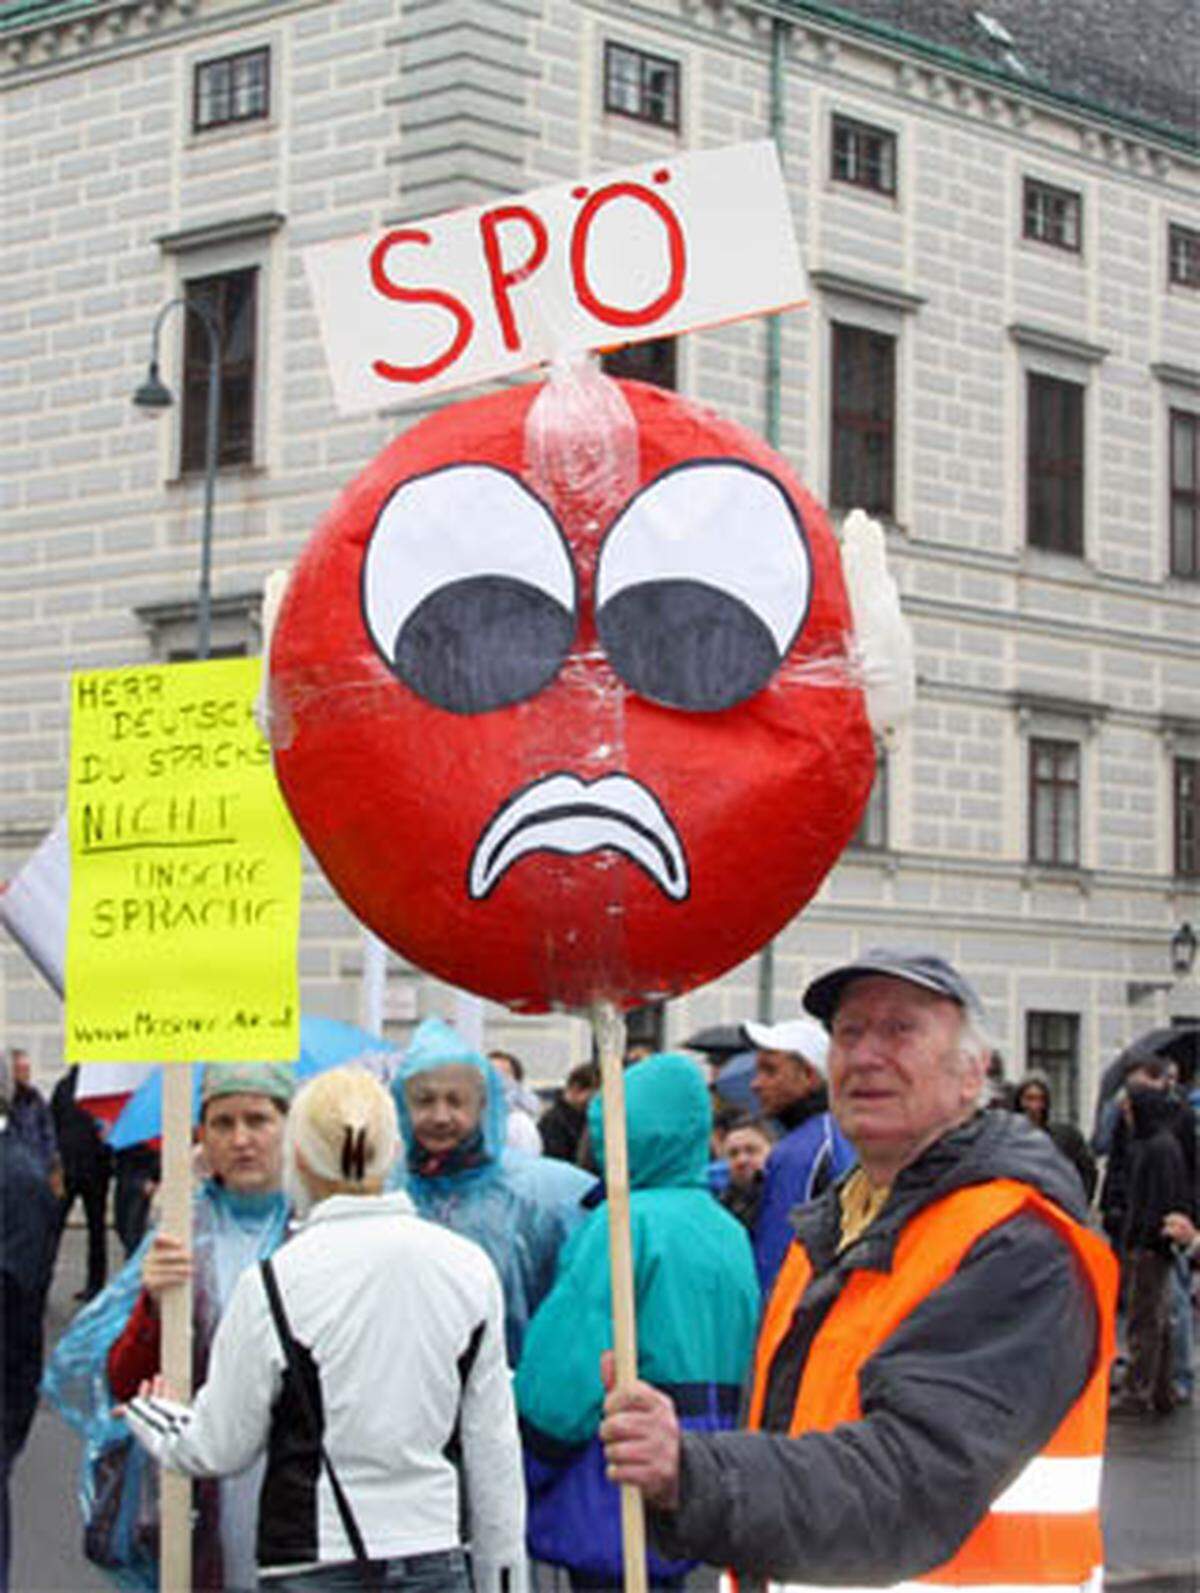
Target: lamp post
{"type": "Point", "coordinates": [154, 394]}
{"type": "Point", "coordinates": [175, 1540]}
{"type": "Point", "coordinates": [1183, 956]}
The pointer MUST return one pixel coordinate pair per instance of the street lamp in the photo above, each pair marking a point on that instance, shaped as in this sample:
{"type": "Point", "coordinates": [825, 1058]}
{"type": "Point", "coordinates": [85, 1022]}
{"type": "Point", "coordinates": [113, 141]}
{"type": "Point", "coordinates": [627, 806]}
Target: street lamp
{"type": "Point", "coordinates": [1183, 955]}
{"type": "Point", "coordinates": [154, 394]}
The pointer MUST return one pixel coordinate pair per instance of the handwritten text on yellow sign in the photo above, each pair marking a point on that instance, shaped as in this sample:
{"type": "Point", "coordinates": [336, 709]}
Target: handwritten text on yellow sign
{"type": "Point", "coordinates": [185, 891]}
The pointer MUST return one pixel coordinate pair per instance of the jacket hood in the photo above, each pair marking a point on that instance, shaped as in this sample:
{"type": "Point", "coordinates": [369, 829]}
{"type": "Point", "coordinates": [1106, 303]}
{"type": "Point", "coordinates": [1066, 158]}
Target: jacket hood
{"type": "Point", "coordinates": [1034, 1076]}
{"type": "Point", "coordinates": [669, 1118]}
{"type": "Point", "coordinates": [436, 1045]}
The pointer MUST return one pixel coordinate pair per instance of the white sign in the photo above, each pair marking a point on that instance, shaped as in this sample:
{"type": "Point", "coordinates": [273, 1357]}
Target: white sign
{"type": "Point", "coordinates": [645, 253]}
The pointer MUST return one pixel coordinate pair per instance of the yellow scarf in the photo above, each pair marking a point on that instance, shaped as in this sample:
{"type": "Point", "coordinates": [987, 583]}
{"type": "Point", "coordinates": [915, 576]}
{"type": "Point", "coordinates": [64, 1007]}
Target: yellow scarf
{"type": "Point", "coordinates": [861, 1202]}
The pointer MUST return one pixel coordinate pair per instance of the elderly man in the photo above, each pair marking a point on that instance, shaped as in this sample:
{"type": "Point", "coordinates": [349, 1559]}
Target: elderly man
{"type": "Point", "coordinates": [240, 1215]}
{"type": "Point", "coordinates": [931, 1374]}
{"type": "Point", "coordinates": [789, 1083]}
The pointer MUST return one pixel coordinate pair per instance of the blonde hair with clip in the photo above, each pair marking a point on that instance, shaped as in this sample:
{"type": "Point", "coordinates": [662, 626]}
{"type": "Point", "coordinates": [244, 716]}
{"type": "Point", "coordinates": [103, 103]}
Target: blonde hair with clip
{"type": "Point", "coordinates": [343, 1123]}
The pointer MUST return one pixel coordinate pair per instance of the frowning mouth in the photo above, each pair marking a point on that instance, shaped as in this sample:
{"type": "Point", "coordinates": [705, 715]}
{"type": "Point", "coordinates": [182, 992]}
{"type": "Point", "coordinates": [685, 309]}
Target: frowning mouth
{"type": "Point", "coordinates": [562, 813]}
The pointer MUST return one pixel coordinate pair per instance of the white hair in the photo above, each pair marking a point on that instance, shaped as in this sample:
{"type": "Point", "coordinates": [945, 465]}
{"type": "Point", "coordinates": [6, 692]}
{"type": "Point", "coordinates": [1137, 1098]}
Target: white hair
{"type": "Point", "coordinates": [343, 1123]}
{"type": "Point", "coordinates": [974, 1046]}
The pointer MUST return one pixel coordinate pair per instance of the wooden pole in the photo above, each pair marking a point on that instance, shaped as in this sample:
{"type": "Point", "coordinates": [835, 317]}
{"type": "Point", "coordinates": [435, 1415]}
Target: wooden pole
{"type": "Point", "coordinates": [608, 1027]}
{"type": "Point", "coordinates": [175, 1499]}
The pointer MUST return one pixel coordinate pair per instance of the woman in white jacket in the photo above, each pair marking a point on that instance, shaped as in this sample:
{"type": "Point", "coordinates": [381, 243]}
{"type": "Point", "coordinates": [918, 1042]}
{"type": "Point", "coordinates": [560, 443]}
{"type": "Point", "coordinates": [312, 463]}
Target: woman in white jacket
{"type": "Point", "coordinates": [395, 1382]}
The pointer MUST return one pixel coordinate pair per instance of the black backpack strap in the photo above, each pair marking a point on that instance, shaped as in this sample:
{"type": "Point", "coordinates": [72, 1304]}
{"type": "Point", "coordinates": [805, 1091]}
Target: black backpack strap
{"type": "Point", "coordinates": [368, 1572]}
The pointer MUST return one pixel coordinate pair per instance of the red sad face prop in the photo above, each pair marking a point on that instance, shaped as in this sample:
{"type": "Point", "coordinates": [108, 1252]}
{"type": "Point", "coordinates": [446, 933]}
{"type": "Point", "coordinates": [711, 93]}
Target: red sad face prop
{"type": "Point", "coordinates": [556, 746]}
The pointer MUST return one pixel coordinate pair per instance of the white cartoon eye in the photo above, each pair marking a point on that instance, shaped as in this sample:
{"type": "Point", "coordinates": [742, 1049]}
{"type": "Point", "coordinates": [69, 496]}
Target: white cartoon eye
{"type": "Point", "coordinates": [703, 584]}
{"type": "Point", "coordinates": [468, 589]}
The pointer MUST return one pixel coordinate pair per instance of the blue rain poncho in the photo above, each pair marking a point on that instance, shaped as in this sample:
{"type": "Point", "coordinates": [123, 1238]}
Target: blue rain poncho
{"type": "Point", "coordinates": [519, 1208]}
{"type": "Point", "coordinates": [229, 1233]}
{"type": "Point", "coordinates": [697, 1303]}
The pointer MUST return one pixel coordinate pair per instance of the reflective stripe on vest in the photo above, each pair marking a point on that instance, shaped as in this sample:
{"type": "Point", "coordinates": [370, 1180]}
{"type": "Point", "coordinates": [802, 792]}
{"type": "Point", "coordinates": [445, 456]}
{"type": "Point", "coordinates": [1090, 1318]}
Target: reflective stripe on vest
{"type": "Point", "coordinates": [1042, 1533]}
{"type": "Point", "coordinates": [1094, 1584]}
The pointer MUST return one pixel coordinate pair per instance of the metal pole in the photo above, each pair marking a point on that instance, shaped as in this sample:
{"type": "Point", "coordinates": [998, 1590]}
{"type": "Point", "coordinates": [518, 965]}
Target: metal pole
{"type": "Point", "coordinates": [211, 442]}
{"type": "Point", "coordinates": [212, 434]}
{"type": "Point", "coordinates": [766, 957]}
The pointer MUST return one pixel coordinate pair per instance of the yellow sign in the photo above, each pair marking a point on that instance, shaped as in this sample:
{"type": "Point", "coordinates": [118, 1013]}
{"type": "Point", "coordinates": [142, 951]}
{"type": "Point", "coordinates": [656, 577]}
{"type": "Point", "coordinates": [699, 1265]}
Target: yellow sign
{"type": "Point", "coordinates": [185, 871]}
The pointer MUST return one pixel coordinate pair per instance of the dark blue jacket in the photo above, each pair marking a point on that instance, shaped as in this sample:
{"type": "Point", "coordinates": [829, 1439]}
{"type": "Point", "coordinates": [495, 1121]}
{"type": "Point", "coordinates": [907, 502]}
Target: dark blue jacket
{"type": "Point", "coordinates": [803, 1163]}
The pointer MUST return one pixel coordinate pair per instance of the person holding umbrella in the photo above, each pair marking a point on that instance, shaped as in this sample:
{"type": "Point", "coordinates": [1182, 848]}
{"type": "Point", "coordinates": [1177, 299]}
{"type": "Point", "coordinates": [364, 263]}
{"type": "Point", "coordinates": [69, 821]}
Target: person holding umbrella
{"type": "Point", "coordinates": [240, 1216]}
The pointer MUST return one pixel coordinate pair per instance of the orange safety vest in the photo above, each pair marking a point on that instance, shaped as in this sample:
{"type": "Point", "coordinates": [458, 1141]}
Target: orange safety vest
{"type": "Point", "coordinates": [1042, 1534]}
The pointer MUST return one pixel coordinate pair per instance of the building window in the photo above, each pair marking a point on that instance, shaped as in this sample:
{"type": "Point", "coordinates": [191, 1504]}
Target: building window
{"type": "Point", "coordinates": [231, 300]}
{"type": "Point", "coordinates": [644, 1029]}
{"type": "Point", "coordinates": [1187, 817]}
{"type": "Point", "coordinates": [1052, 215]}
{"type": "Point", "coordinates": [1185, 493]}
{"type": "Point", "coordinates": [643, 86]}
{"type": "Point", "coordinates": [864, 156]}
{"type": "Point", "coordinates": [232, 88]}
{"type": "Point", "coordinates": [235, 629]}
{"type": "Point", "coordinates": [1183, 256]}
{"type": "Point", "coordinates": [861, 474]}
{"type": "Point", "coordinates": [1054, 462]}
{"type": "Point", "coordinates": [1054, 772]}
{"type": "Point", "coordinates": [653, 361]}
{"type": "Point", "coordinates": [1052, 1048]}
{"type": "Point", "coordinates": [872, 832]}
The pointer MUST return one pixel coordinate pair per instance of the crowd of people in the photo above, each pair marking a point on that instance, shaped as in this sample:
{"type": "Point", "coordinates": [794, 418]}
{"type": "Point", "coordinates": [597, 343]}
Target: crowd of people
{"type": "Point", "coordinates": [877, 1313]}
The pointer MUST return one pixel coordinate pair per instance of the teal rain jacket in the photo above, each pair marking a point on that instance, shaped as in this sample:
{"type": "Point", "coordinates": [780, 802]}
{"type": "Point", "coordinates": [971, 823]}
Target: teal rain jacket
{"type": "Point", "coordinates": [697, 1302]}
{"type": "Point", "coordinates": [519, 1208]}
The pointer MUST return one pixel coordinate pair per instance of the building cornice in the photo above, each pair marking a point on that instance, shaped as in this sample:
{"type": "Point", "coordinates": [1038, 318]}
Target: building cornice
{"type": "Point", "coordinates": [38, 41]}
{"type": "Point", "coordinates": [879, 293]}
{"type": "Point", "coordinates": [1047, 341]}
{"type": "Point", "coordinates": [1177, 375]}
{"type": "Point", "coordinates": [940, 79]}
{"type": "Point", "coordinates": [232, 229]}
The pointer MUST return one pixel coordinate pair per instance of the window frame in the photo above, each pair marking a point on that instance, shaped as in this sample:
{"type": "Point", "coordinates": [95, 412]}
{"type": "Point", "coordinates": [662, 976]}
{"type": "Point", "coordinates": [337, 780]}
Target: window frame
{"type": "Point", "coordinates": [1183, 244]}
{"type": "Point", "coordinates": [864, 131]}
{"type": "Point", "coordinates": [1058, 1060]}
{"type": "Point", "coordinates": [1185, 808]}
{"type": "Point", "coordinates": [852, 429]}
{"type": "Point", "coordinates": [873, 832]}
{"type": "Point", "coordinates": [1038, 788]}
{"type": "Point", "coordinates": [636, 362]}
{"type": "Point", "coordinates": [1061, 473]}
{"type": "Point", "coordinates": [1036, 196]}
{"type": "Point", "coordinates": [231, 62]}
{"type": "Point", "coordinates": [1183, 499]}
{"type": "Point", "coordinates": [240, 375]}
{"type": "Point", "coordinates": [646, 62]}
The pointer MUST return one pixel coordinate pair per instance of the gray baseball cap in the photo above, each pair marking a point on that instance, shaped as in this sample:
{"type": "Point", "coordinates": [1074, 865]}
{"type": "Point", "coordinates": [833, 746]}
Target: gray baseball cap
{"type": "Point", "coordinates": [916, 967]}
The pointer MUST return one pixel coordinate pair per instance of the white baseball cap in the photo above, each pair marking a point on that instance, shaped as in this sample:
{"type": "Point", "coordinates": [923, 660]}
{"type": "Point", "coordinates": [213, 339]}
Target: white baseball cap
{"type": "Point", "coordinates": [801, 1036]}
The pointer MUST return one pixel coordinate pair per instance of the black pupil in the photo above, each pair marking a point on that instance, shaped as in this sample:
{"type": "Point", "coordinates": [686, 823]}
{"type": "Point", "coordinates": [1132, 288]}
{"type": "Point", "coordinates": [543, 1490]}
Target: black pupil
{"type": "Point", "coordinates": [687, 645]}
{"type": "Point", "coordinates": [482, 643]}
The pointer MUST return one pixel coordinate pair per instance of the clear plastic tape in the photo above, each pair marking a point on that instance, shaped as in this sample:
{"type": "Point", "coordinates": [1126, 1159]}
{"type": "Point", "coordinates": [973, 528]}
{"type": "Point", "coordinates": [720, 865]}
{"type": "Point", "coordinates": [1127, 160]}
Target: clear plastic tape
{"type": "Point", "coordinates": [368, 697]}
{"type": "Point", "coordinates": [581, 440]}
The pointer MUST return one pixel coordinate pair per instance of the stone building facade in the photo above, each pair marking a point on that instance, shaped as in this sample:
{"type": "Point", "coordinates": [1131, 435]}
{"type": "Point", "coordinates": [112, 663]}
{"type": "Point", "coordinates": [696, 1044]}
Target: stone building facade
{"type": "Point", "coordinates": [1002, 345]}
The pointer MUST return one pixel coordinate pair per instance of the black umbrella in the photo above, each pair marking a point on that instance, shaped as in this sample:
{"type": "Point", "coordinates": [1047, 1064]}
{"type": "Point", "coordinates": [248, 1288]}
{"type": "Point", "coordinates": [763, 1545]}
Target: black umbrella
{"type": "Point", "coordinates": [1180, 1042]}
{"type": "Point", "coordinates": [718, 1038]}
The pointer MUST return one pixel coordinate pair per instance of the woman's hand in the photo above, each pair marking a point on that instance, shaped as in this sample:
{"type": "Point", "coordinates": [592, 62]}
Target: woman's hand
{"type": "Point", "coordinates": [167, 1265]}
